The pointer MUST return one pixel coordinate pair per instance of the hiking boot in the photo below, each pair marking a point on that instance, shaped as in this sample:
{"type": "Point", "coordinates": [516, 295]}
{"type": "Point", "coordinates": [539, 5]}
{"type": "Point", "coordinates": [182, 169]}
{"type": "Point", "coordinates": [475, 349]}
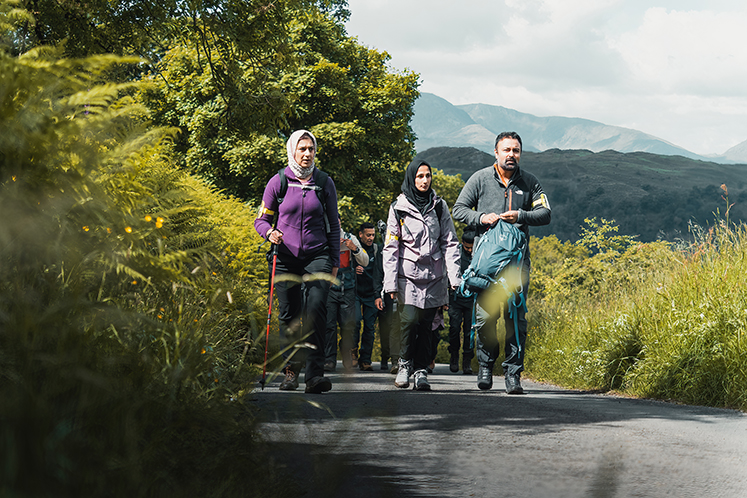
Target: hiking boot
{"type": "Point", "coordinates": [318, 385]}
{"type": "Point", "coordinates": [421, 381]}
{"type": "Point", "coordinates": [290, 382]}
{"type": "Point", "coordinates": [395, 368]}
{"type": "Point", "coordinates": [484, 378]}
{"type": "Point", "coordinates": [330, 366]}
{"type": "Point", "coordinates": [513, 384]}
{"type": "Point", "coordinates": [403, 374]}
{"type": "Point", "coordinates": [384, 365]}
{"type": "Point", "coordinates": [466, 365]}
{"type": "Point", "coordinates": [353, 357]}
{"type": "Point", "coordinates": [365, 367]}
{"type": "Point", "coordinates": [454, 363]}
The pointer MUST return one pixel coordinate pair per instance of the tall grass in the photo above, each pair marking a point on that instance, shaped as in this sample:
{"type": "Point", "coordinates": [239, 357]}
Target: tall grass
{"type": "Point", "coordinates": [650, 320]}
{"type": "Point", "coordinates": [129, 301]}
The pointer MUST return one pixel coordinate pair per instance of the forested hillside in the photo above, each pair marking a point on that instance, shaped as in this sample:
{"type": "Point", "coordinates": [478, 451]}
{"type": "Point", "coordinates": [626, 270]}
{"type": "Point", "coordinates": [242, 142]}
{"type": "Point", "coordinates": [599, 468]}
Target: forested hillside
{"type": "Point", "coordinates": [648, 195]}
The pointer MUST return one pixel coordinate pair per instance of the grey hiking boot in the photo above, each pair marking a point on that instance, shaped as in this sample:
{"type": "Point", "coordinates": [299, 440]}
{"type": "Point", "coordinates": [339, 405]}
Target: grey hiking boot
{"type": "Point", "coordinates": [421, 381]}
{"type": "Point", "coordinates": [513, 384]}
{"type": "Point", "coordinates": [403, 374]}
{"type": "Point", "coordinates": [484, 378]}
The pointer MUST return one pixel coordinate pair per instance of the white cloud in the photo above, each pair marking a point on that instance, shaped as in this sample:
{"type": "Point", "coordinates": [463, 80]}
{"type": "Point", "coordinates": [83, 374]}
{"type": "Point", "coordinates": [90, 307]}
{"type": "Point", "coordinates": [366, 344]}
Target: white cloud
{"type": "Point", "coordinates": [674, 69]}
{"type": "Point", "coordinates": [698, 52]}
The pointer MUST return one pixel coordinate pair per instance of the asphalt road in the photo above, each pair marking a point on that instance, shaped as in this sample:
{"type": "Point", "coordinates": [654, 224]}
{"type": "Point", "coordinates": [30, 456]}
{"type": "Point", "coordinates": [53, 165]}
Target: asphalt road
{"type": "Point", "coordinates": [366, 438]}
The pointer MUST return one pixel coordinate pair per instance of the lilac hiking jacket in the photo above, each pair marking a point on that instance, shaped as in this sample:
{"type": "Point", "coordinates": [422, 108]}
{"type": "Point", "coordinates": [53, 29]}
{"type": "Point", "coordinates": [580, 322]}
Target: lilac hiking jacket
{"type": "Point", "coordinates": [421, 256]}
{"type": "Point", "coordinates": [301, 218]}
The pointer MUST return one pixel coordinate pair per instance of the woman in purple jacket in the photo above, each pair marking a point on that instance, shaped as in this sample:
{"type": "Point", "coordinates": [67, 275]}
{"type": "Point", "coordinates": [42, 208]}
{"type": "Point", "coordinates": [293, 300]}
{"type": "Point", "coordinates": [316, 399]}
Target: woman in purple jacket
{"type": "Point", "coordinates": [421, 248]}
{"type": "Point", "coordinates": [308, 242]}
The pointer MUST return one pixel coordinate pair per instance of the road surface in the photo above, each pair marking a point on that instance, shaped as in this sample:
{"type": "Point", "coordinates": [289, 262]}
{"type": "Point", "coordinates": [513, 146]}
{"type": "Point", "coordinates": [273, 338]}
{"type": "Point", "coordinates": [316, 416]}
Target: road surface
{"type": "Point", "coordinates": [366, 438]}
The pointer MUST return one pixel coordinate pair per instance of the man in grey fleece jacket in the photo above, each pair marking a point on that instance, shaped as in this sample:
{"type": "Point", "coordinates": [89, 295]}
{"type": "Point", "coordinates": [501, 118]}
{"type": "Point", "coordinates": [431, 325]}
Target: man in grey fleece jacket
{"type": "Point", "coordinates": [502, 192]}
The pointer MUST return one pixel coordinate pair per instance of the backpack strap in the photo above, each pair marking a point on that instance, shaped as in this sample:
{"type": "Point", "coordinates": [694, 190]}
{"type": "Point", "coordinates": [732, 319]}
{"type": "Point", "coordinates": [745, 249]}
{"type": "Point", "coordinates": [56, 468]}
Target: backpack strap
{"type": "Point", "coordinates": [320, 181]}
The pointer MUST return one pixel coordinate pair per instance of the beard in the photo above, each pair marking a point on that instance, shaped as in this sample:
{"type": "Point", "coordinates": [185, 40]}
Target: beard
{"type": "Point", "coordinates": [509, 165]}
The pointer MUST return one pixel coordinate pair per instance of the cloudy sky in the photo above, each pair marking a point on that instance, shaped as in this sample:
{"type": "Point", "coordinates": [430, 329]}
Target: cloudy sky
{"type": "Point", "coordinates": [674, 69]}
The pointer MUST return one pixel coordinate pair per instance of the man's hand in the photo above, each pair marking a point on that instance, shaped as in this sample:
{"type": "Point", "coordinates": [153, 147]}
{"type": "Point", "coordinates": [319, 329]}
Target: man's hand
{"type": "Point", "coordinates": [349, 244]}
{"type": "Point", "coordinates": [489, 218]}
{"type": "Point", "coordinates": [379, 304]}
{"type": "Point", "coordinates": [334, 274]}
{"type": "Point", "coordinates": [510, 216]}
{"type": "Point", "coordinates": [359, 270]}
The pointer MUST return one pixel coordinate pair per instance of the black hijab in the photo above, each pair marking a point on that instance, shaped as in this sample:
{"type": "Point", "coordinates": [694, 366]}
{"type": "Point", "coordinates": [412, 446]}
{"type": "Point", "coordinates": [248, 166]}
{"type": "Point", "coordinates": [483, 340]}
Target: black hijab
{"type": "Point", "coordinates": [421, 200]}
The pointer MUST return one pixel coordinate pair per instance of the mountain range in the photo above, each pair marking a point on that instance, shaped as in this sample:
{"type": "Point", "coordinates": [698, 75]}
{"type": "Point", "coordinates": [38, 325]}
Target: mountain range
{"type": "Point", "coordinates": [438, 123]}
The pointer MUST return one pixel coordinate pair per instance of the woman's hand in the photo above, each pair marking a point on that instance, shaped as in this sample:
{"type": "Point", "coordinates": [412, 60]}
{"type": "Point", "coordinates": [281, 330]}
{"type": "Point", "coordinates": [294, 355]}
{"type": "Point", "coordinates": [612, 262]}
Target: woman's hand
{"type": "Point", "coordinates": [275, 236]}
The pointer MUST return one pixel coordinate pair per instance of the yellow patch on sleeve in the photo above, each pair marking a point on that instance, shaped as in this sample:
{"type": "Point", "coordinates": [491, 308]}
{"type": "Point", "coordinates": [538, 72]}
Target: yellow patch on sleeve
{"type": "Point", "coordinates": [542, 201]}
{"type": "Point", "coordinates": [263, 210]}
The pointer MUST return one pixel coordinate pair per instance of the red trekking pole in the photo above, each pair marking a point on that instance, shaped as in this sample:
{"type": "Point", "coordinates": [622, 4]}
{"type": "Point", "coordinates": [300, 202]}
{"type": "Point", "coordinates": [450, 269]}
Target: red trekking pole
{"type": "Point", "coordinates": [274, 253]}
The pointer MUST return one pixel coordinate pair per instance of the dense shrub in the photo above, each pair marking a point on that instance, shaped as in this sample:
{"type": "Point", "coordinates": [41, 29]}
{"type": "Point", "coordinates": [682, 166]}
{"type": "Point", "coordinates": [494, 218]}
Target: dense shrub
{"type": "Point", "coordinates": [649, 320]}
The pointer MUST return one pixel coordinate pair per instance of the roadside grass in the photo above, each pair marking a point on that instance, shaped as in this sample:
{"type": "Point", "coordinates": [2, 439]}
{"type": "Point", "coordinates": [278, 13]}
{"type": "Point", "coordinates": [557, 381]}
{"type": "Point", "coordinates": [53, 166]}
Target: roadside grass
{"type": "Point", "coordinates": [650, 320]}
{"type": "Point", "coordinates": [131, 298]}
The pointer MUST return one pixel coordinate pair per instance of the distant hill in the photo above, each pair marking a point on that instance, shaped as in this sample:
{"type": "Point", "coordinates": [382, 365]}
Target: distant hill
{"type": "Point", "coordinates": [737, 153]}
{"type": "Point", "coordinates": [438, 123]}
{"type": "Point", "coordinates": [653, 196]}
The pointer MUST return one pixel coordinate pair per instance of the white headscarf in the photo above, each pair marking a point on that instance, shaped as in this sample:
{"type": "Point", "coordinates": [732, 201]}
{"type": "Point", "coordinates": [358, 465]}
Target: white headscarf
{"type": "Point", "coordinates": [300, 172]}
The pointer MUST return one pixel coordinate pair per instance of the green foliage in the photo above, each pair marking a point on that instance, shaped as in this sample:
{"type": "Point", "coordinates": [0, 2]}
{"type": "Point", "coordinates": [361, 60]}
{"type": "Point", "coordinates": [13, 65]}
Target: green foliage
{"type": "Point", "coordinates": [650, 321]}
{"type": "Point", "coordinates": [128, 299]}
{"type": "Point", "coordinates": [341, 91]}
{"type": "Point", "coordinates": [597, 237]}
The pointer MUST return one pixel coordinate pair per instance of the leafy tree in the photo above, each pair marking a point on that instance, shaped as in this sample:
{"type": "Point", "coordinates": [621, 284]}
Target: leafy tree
{"type": "Point", "coordinates": [598, 237]}
{"type": "Point", "coordinates": [343, 92]}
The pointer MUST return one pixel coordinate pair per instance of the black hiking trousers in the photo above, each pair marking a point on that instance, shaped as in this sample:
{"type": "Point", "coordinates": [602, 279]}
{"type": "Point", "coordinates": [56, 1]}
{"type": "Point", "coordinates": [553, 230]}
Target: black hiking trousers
{"type": "Point", "coordinates": [302, 311]}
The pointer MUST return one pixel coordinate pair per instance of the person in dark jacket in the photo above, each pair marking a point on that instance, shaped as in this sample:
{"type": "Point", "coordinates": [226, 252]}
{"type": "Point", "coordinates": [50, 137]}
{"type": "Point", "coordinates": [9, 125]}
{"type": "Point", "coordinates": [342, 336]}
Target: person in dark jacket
{"type": "Point", "coordinates": [305, 246]}
{"type": "Point", "coordinates": [341, 302]}
{"type": "Point", "coordinates": [460, 313]}
{"type": "Point", "coordinates": [367, 291]}
{"type": "Point", "coordinates": [502, 192]}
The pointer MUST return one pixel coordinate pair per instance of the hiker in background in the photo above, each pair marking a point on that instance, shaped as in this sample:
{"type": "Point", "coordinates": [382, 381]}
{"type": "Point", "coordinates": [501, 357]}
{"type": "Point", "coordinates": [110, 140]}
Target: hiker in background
{"type": "Point", "coordinates": [503, 192]}
{"type": "Point", "coordinates": [307, 233]}
{"type": "Point", "coordinates": [341, 302]}
{"type": "Point", "coordinates": [388, 315]}
{"type": "Point", "coordinates": [367, 291]}
{"type": "Point", "coordinates": [420, 248]}
{"type": "Point", "coordinates": [460, 313]}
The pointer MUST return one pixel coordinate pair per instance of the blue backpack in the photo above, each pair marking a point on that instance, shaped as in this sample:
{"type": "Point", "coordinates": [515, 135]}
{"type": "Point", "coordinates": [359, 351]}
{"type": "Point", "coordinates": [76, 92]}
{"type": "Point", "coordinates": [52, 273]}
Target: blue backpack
{"type": "Point", "coordinates": [502, 247]}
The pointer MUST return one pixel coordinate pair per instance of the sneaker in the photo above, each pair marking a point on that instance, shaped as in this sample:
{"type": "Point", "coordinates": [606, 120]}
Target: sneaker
{"type": "Point", "coordinates": [484, 378]}
{"type": "Point", "coordinates": [365, 367]}
{"type": "Point", "coordinates": [290, 382]}
{"type": "Point", "coordinates": [454, 363]}
{"type": "Point", "coordinates": [318, 385]}
{"type": "Point", "coordinates": [403, 374]}
{"type": "Point", "coordinates": [395, 368]}
{"type": "Point", "coordinates": [330, 365]}
{"type": "Point", "coordinates": [384, 365]}
{"type": "Point", "coordinates": [513, 384]}
{"type": "Point", "coordinates": [421, 381]}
